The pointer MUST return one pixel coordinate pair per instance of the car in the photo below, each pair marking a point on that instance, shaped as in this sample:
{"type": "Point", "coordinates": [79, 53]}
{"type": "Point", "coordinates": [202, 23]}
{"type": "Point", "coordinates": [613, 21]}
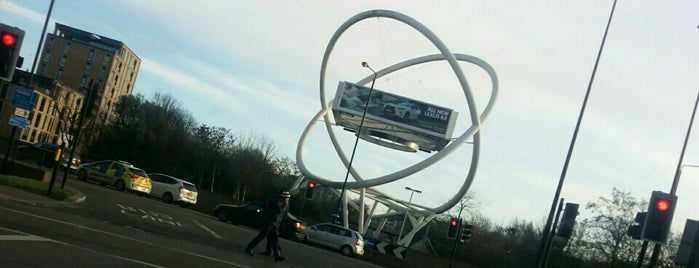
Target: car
{"type": "Point", "coordinates": [172, 189]}
{"type": "Point", "coordinates": [122, 175]}
{"type": "Point", "coordinates": [348, 242]}
{"type": "Point", "coordinates": [252, 214]}
{"type": "Point", "coordinates": [405, 110]}
{"type": "Point", "coordinates": [43, 154]}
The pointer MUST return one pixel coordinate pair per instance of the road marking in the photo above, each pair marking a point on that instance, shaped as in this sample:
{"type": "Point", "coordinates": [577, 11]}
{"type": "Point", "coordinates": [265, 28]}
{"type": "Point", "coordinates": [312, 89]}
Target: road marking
{"type": "Point", "coordinates": [30, 237]}
{"type": "Point", "coordinates": [151, 215]}
{"type": "Point", "coordinates": [124, 237]}
{"type": "Point", "coordinates": [207, 229]}
{"type": "Point", "coordinates": [22, 238]}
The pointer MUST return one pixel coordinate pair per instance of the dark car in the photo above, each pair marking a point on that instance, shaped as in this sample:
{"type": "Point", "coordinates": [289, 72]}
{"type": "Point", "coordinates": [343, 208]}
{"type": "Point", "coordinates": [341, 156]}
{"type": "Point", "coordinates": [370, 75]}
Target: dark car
{"type": "Point", "coordinates": [252, 214]}
{"type": "Point", "coordinates": [43, 154]}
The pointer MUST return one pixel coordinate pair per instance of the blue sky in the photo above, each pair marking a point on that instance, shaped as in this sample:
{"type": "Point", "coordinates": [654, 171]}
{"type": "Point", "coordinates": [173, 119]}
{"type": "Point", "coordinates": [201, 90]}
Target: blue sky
{"type": "Point", "coordinates": [253, 67]}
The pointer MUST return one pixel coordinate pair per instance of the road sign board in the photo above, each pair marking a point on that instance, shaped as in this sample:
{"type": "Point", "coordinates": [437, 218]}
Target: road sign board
{"type": "Point", "coordinates": [19, 121]}
{"type": "Point", "coordinates": [24, 98]}
{"type": "Point", "coordinates": [22, 112]}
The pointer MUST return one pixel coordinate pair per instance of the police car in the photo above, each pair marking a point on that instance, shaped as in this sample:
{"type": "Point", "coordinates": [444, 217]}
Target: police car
{"type": "Point", "coordinates": [120, 174]}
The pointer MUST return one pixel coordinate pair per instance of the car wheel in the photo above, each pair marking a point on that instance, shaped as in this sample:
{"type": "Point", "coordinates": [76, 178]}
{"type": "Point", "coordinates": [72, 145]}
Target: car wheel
{"type": "Point", "coordinates": [167, 198]}
{"type": "Point", "coordinates": [119, 185]}
{"type": "Point", "coordinates": [82, 175]}
{"type": "Point", "coordinates": [305, 239]}
{"type": "Point", "coordinates": [222, 215]}
{"type": "Point", "coordinates": [346, 250]}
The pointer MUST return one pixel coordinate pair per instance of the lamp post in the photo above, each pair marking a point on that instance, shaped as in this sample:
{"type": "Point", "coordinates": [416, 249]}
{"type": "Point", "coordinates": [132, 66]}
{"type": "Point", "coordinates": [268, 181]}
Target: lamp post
{"type": "Point", "coordinates": [547, 228]}
{"type": "Point", "coordinates": [407, 209]}
{"type": "Point", "coordinates": [359, 131]}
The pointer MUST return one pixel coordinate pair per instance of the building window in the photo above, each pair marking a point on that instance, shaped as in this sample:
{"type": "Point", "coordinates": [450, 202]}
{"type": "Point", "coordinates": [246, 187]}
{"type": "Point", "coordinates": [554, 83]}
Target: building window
{"type": "Point", "coordinates": [102, 73]}
{"type": "Point", "coordinates": [66, 48]}
{"type": "Point", "coordinates": [59, 74]}
{"type": "Point", "coordinates": [62, 63]}
{"type": "Point", "coordinates": [91, 56]}
{"type": "Point", "coordinates": [42, 69]}
{"type": "Point", "coordinates": [86, 71]}
{"type": "Point", "coordinates": [105, 60]}
{"type": "Point", "coordinates": [36, 120]}
{"type": "Point", "coordinates": [49, 43]}
{"type": "Point", "coordinates": [47, 56]}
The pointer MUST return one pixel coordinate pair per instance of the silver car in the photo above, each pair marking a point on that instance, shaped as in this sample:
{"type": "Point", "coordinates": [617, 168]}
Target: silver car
{"type": "Point", "coordinates": [172, 189]}
{"type": "Point", "coordinates": [348, 242]}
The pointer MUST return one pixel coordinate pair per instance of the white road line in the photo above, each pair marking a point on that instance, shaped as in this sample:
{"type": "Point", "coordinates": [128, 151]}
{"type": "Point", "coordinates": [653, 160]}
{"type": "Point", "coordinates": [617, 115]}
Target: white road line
{"type": "Point", "coordinates": [207, 229]}
{"type": "Point", "coordinates": [30, 237]}
{"type": "Point", "coordinates": [22, 238]}
{"type": "Point", "coordinates": [124, 237]}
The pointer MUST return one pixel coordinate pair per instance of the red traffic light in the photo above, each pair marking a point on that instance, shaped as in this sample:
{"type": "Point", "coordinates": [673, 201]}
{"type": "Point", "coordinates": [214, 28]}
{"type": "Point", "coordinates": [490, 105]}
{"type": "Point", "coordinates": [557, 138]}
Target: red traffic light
{"type": "Point", "coordinates": [9, 39]}
{"type": "Point", "coordinates": [311, 185]}
{"type": "Point", "coordinates": [662, 205]}
{"type": "Point", "coordinates": [453, 222]}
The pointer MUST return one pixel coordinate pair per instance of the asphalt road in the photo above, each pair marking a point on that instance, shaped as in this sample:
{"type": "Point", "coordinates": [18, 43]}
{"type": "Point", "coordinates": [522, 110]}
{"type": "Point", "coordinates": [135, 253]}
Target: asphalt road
{"type": "Point", "coordinates": [119, 229]}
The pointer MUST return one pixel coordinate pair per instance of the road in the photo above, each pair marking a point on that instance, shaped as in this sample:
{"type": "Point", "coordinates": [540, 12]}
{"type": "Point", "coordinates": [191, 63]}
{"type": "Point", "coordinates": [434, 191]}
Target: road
{"type": "Point", "coordinates": [118, 229]}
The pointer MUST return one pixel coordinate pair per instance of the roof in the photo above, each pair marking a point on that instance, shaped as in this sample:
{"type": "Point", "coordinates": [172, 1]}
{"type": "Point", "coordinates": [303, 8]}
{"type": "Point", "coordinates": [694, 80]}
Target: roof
{"type": "Point", "coordinates": [87, 38]}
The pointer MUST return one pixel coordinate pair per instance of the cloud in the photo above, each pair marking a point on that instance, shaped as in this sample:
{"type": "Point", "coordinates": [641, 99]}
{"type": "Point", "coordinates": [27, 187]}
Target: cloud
{"type": "Point", "coordinates": [21, 11]}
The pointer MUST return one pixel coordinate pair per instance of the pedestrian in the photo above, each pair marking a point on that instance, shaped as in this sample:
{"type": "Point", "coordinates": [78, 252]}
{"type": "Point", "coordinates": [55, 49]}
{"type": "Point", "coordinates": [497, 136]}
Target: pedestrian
{"type": "Point", "coordinates": [275, 211]}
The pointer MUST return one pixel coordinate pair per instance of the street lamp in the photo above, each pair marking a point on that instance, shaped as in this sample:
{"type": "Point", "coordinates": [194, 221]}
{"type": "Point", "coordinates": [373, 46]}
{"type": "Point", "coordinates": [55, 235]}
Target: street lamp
{"type": "Point", "coordinates": [356, 140]}
{"type": "Point", "coordinates": [407, 209]}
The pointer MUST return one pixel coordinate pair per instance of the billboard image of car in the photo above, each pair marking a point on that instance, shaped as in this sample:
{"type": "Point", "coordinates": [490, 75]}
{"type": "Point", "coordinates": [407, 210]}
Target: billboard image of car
{"type": "Point", "coordinates": [392, 117]}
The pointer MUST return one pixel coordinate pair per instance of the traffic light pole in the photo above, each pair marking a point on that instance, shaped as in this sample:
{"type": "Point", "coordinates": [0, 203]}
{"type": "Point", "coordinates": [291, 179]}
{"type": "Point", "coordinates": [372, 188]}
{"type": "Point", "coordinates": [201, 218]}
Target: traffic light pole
{"type": "Point", "coordinates": [642, 255]}
{"type": "Point", "coordinates": [676, 180]}
{"type": "Point", "coordinates": [553, 232]}
{"type": "Point", "coordinates": [458, 231]}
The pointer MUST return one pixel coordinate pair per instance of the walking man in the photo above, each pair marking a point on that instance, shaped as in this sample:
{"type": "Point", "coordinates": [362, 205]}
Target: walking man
{"type": "Point", "coordinates": [275, 211]}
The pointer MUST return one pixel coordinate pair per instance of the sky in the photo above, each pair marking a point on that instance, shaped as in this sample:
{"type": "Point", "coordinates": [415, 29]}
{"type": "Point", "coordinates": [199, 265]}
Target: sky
{"type": "Point", "coordinates": [254, 67]}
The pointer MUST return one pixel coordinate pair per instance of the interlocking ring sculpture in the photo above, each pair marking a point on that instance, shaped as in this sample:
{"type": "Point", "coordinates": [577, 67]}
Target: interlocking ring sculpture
{"type": "Point", "coordinates": [446, 55]}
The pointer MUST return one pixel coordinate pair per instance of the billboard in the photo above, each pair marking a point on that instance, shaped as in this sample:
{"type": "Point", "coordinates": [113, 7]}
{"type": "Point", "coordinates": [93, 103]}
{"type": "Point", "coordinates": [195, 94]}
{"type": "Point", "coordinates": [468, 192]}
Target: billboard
{"type": "Point", "coordinates": [392, 120]}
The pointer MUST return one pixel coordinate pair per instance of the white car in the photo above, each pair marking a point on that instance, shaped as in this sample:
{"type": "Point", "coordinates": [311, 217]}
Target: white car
{"type": "Point", "coordinates": [172, 189]}
{"type": "Point", "coordinates": [348, 242]}
{"type": "Point", "coordinates": [405, 110]}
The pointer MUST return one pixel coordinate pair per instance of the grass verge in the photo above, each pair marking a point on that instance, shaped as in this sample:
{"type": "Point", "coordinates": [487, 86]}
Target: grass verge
{"type": "Point", "coordinates": [37, 187]}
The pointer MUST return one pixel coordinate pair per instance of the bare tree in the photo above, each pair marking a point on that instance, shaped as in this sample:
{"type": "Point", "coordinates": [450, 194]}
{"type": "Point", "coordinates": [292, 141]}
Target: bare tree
{"type": "Point", "coordinates": [467, 204]}
{"type": "Point", "coordinates": [605, 232]}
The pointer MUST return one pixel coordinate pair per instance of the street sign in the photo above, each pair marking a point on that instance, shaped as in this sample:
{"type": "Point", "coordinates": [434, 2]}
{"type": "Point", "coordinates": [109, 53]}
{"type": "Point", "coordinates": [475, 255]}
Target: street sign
{"type": "Point", "coordinates": [19, 121]}
{"type": "Point", "coordinates": [22, 112]}
{"type": "Point", "coordinates": [24, 98]}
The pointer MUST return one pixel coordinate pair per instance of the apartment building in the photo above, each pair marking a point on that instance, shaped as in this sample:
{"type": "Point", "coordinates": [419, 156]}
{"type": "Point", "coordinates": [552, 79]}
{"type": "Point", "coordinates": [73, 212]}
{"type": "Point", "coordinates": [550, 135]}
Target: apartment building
{"type": "Point", "coordinates": [54, 114]}
{"type": "Point", "coordinates": [77, 58]}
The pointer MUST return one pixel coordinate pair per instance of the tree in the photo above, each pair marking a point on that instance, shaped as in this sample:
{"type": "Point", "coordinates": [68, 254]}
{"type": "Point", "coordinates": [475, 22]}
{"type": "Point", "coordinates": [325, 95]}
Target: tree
{"type": "Point", "coordinates": [605, 232]}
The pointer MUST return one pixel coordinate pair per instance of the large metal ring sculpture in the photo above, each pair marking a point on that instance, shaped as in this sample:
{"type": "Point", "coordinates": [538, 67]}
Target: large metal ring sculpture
{"type": "Point", "coordinates": [447, 55]}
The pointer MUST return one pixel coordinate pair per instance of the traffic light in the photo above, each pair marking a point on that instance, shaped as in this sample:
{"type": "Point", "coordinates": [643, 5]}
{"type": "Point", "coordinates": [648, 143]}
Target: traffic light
{"type": "Point", "coordinates": [568, 221]}
{"type": "Point", "coordinates": [309, 190]}
{"type": "Point", "coordinates": [661, 208]}
{"type": "Point", "coordinates": [10, 44]}
{"type": "Point", "coordinates": [453, 230]}
{"type": "Point", "coordinates": [634, 231]}
{"type": "Point", "coordinates": [466, 232]}
{"type": "Point", "coordinates": [688, 251]}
